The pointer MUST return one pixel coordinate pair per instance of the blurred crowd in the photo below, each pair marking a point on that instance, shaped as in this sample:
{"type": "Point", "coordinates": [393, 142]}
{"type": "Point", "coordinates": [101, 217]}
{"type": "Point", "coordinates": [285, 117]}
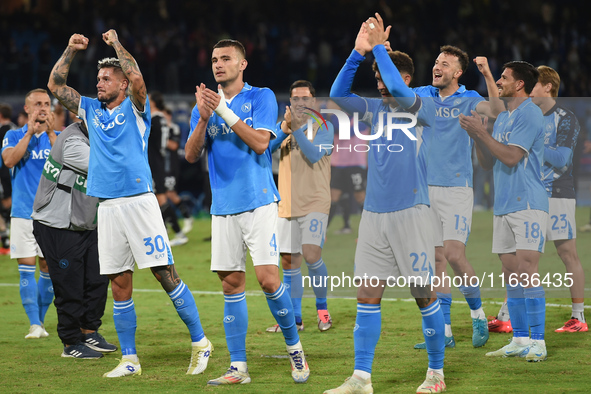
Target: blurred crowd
{"type": "Point", "coordinates": [287, 40]}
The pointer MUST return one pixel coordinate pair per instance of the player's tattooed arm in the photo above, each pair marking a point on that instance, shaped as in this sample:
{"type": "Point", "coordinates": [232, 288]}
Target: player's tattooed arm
{"type": "Point", "coordinates": [130, 69]}
{"type": "Point", "coordinates": [69, 97]}
{"type": "Point", "coordinates": [167, 277]}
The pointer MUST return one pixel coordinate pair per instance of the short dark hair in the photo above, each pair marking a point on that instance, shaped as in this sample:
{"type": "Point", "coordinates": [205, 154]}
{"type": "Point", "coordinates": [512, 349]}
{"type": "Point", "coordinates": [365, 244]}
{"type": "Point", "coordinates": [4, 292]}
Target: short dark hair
{"type": "Point", "coordinates": [457, 52]}
{"type": "Point", "coordinates": [231, 43]}
{"type": "Point", "coordinates": [401, 60]}
{"type": "Point", "coordinates": [157, 99]}
{"type": "Point", "coordinates": [5, 110]}
{"type": "Point", "coordinates": [524, 71]}
{"type": "Point", "coordinates": [302, 84]}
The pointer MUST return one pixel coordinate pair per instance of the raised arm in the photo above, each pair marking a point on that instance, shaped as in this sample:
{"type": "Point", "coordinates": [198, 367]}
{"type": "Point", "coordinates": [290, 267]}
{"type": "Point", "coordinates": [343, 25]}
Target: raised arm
{"type": "Point", "coordinates": [494, 106]}
{"type": "Point", "coordinates": [69, 97]}
{"type": "Point", "coordinates": [130, 69]}
{"type": "Point", "coordinates": [377, 37]}
{"type": "Point", "coordinates": [340, 91]}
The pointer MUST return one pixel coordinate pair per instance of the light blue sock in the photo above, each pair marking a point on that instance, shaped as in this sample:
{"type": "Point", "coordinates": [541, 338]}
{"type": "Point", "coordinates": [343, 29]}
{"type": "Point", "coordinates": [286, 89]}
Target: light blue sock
{"type": "Point", "coordinates": [319, 277]}
{"type": "Point", "coordinates": [434, 334]}
{"type": "Point", "coordinates": [28, 290]}
{"type": "Point", "coordinates": [535, 304]}
{"type": "Point", "coordinates": [45, 294]}
{"type": "Point", "coordinates": [517, 311]}
{"type": "Point", "coordinates": [125, 324]}
{"type": "Point", "coordinates": [292, 279]}
{"type": "Point", "coordinates": [236, 325]}
{"type": "Point", "coordinates": [472, 295]}
{"type": "Point", "coordinates": [366, 334]}
{"type": "Point", "coordinates": [185, 306]}
{"type": "Point", "coordinates": [280, 305]}
{"type": "Point", "coordinates": [445, 304]}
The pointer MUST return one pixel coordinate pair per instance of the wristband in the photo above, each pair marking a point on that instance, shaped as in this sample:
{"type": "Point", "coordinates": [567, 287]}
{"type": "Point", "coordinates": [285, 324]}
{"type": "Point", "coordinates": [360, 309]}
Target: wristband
{"type": "Point", "coordinates": [224, 112]}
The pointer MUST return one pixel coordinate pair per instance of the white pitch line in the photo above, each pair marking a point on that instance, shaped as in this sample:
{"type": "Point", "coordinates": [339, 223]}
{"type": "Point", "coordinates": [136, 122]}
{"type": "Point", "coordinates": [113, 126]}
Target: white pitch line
{"type": "Point", "coordinates": [260, 294]}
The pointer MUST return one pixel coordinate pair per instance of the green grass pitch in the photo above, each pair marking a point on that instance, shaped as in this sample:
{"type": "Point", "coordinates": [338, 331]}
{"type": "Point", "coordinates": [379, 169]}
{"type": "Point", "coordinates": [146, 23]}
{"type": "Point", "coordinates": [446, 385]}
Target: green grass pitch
{"type": "Point", "coordinates": [163, 342]}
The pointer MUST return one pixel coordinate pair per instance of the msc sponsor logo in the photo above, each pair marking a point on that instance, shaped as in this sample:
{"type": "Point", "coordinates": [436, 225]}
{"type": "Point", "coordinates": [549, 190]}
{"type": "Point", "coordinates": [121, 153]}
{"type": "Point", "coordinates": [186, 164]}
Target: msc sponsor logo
{"type": "Point", "coordinates": [119, 120]}
{"type": "Point", "coordinates": [40, 155]}
{"type": "Point", "coordinates": [447, 112]}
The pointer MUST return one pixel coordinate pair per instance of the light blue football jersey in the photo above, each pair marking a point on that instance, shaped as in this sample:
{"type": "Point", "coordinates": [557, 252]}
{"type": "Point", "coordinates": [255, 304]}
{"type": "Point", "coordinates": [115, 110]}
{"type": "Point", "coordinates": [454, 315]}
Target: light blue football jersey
{"type": "Point", "coordinates": [118, 164]}
{"type": "Point", "coordinates": [240, 179]}
{"type": "Point", "coordinates": [25, 175]}
{"type": "Point", "coordinates": [520, 187]}
{"type": "Point", "coordinates": [396, 173]}
{"type": "Point", "coordinates": [449, 159]}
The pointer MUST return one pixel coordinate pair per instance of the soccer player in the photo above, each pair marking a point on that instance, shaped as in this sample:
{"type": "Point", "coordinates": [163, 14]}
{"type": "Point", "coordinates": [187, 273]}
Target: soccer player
{"type": "Point", "coordinates": [159, 134]}
{"type": "Point", "coordinates": [395, 237]}
{"type": "Point", "coordinates": [515, 150]}
{"type": "Point", "coordinates": [561, 132]}
{"type": "Point", "coordinates": [449, 175]}
{"type": "Point", "coordinates": [236, 124]}
{"type": "Point", "coordinates": [130, 226]}
{"type": "Point", "coordinates": [304, 187]}
{"type": "Point", "coordinates": [24, 151]}
{"type": "Point", "coordinates": [64, 225]}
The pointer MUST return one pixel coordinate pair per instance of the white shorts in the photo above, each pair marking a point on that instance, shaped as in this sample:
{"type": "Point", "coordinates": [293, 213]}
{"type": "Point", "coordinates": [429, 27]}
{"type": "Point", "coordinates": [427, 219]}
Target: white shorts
{"type": "Point", "coordinates": [452, 213]}
{"type": "Point", "coordinates": [22, 240]}
{"type": "Point", "coordinates": [561, 221]}
{"type": "Point", "coordinates": [396, 244]}
{"type": "Point", "coordinates": [132, 229]}
{"type": "Point", "coordinates": [304, 230]}
{"type": "Point", "coordinates": [232, 234]}
{"type": "Point", "coordinates": [521, 230]}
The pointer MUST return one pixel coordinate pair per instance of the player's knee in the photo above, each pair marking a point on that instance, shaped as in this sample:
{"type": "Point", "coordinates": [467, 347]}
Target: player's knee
{"type": "Point", "coordinates": [569, 257]}
{"type": "Point", "coordinates": [312, 255]}
{"type": "Point", "coordinates": [454, 255]}
{"type": "Point", "coordinates": [371, 301]}
{"type": "Point", "coordinates": [269, 285]}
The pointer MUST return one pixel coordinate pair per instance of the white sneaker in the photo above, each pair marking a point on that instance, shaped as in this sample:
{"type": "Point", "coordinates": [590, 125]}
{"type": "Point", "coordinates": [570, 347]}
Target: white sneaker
{"type": "Point", "coordinates": [180, 239]}
{"type": "Point", "coordinates": [276, 328]}
{"type": "Point", "coordinates": [200, 358]}
{"type": "Point", "coordinates": [300, 372]}
{"type": "Point", "coordinates": [433, 384]}
{"type": "Point", "coordinates": [353, 385]}
{"type": "Point", "coordinates": [187, 225]}
{"type": "Point", "coordinates": [537, 352]}
{"type": "Point", "coordinates": [232, 376]}
{"type": "Point", "coordinates": [36, 331]}
{"type": "Point", "coordinates": [511, 350]}
{"type": "Point", "coordinates": [125, 368]}
{"type": "Point", "coordinates": [45, 333]}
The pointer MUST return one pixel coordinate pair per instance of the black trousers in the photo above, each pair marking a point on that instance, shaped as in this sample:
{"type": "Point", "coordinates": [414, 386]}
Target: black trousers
{"type": "Point", "coordinates": [80, 290]}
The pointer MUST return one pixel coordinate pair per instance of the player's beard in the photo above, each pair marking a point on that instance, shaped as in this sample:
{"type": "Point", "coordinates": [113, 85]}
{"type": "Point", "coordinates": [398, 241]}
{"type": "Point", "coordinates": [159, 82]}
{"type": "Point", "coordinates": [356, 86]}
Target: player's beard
{"type": "Point", "coordinates": [107, 99]}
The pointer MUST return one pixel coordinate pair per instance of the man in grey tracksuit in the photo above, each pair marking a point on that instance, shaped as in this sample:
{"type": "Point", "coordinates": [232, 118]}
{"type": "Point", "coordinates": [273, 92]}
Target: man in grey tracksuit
{"type": "Point", "coordinates": [65, 229]}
